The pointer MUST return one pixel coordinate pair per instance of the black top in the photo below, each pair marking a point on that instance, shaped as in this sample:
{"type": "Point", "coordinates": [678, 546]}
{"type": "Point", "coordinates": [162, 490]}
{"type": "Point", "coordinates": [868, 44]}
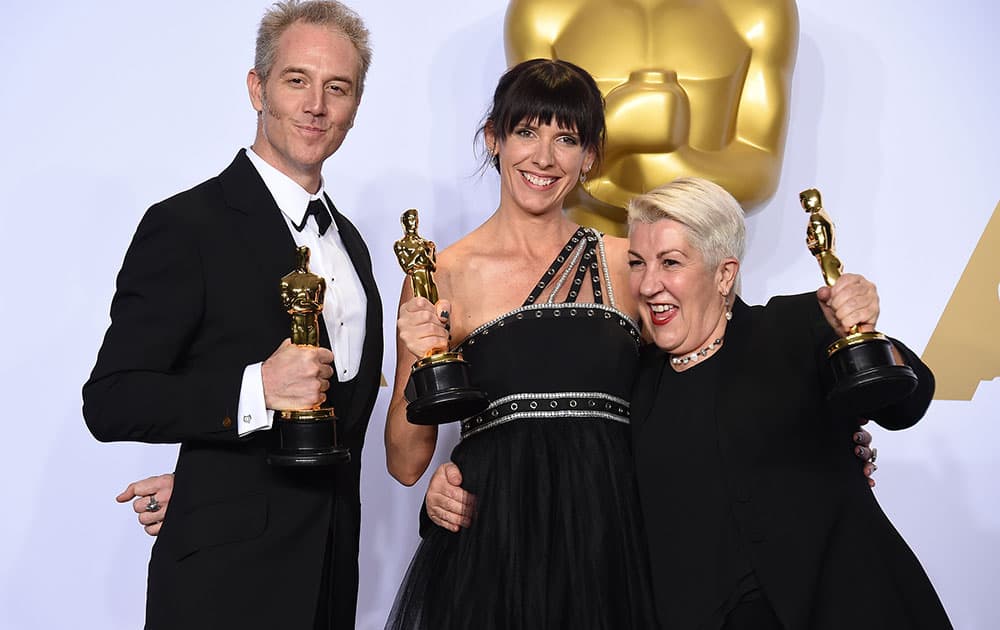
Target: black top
{"type": "Point", "coordinates": [740, 461]}
{"type": "Point", "coordinates": [686, 419]}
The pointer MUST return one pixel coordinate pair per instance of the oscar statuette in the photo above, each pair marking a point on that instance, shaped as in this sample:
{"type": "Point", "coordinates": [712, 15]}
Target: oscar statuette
{"type": "Point", "coordinates": [305, 437]}
{"type": "Point", "coordinates": [439, 389]}
{"type": "Point", "coordinates": [866, 375]}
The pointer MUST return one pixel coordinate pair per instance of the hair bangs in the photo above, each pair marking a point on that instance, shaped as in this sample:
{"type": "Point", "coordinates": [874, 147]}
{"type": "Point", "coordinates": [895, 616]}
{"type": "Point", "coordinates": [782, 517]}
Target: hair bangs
{"type": "Point", "coordinates": [540, 91]}
{"type": "Point", "coordinates": [540, 100]}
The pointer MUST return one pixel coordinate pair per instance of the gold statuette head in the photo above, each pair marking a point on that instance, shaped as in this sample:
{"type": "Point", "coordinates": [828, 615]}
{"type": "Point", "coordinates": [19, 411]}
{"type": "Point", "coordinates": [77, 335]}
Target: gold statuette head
{"type": "Point", "coordinates": [811, 200]}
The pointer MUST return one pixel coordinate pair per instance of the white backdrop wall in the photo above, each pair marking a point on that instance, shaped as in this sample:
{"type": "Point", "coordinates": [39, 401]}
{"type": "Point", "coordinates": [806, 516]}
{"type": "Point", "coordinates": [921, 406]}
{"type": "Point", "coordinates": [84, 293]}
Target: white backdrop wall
{"type": "Point", "coordinates": [108, 107]}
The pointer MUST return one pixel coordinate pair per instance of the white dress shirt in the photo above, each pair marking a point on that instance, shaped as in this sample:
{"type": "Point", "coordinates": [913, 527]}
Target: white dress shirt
{"type": "Point", "coordinates": [345, 304]}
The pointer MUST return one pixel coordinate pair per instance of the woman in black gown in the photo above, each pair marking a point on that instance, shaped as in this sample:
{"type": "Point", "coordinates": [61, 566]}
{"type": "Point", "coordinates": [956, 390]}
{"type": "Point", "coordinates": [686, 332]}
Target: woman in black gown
{"type": "Point", "coordinates": [535, 304]}
{"type": "Point", "coordinates": [750, 540]}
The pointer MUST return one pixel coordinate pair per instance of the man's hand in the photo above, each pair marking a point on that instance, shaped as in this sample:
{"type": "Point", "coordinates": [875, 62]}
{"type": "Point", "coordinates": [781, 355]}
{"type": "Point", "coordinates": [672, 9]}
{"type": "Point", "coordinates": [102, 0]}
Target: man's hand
{"type": "Point", "coordinates": [447, 503]}
{"type": "Point", "coordinates": [296, 377]}
{"type": "Point", "coordinates": [152, 491]}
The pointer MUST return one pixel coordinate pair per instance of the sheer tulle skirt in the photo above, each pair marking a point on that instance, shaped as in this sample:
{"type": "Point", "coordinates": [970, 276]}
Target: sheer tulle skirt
{"type": "Point", "coordinates": [556, 541]}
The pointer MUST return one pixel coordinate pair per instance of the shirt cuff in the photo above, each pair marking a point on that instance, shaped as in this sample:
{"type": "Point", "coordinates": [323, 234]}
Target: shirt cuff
{"type": "Point", "coordinates": [253, 413]}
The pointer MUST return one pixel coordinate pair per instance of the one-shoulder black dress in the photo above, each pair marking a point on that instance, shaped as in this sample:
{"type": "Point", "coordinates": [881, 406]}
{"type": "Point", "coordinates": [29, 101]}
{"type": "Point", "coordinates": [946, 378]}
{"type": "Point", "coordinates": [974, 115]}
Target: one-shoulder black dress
{"type": "Point", "coordinates": [556, 540]}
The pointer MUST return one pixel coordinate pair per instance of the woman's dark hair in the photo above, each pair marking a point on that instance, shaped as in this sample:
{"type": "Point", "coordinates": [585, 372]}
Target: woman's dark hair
{"type": "Point", "coordinates": [539, 90]}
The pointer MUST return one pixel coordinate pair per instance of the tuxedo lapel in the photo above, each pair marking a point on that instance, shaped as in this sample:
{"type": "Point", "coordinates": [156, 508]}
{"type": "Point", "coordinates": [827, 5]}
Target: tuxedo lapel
{"type": "Point", "coordinates": [259, 224]}
{"type": "Point", "coordinates": [356, 250]}
{"type": "Point", "coordinates": [261, 227]}
{"type": "Point", "coordinates": [371, 357]}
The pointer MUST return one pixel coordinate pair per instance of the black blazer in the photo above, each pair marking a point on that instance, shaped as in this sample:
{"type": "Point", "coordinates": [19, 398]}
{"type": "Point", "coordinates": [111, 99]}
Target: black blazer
{"type": "Point", "coordinates": [197, 301]}
{"type": "Point", "coordinates": [823, 551]}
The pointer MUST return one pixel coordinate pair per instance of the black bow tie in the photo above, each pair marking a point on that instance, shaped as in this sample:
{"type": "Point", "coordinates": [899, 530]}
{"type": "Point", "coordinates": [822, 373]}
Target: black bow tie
{"type": "Point", "coordinates": [318, 210]}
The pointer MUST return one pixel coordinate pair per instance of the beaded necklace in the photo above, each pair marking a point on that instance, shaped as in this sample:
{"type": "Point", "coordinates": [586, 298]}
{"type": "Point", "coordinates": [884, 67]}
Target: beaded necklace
{"type": "Point", "coordinates": [695, 355]}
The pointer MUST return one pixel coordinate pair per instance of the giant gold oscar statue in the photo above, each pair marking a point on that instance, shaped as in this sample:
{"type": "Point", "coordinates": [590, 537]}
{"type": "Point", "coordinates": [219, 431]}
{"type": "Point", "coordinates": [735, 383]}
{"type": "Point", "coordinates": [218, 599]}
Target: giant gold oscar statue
{"type": "Point", "coordinates": [866, 375]}
{"type": "Point", "coordinates": [305, 437]}
{"type": "Point", "coordinates": [439, 388]}
{"type": "Point", "coordinates": [960, 354]}
{"type": "Point", "coordinates": [693, 88]}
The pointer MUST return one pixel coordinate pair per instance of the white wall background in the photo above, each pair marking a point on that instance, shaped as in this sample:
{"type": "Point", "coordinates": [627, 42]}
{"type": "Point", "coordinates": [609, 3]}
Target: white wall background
{"type": "Point", "coordinates": [108, 107]}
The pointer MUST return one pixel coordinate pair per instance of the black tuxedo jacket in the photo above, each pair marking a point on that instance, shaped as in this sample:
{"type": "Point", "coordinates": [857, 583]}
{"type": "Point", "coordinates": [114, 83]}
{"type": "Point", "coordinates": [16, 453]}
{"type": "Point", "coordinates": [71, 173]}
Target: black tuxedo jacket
{"type": "Point", "coordinates": [824, 553]}
{"type": "Point", "coordinates": [244, 543]}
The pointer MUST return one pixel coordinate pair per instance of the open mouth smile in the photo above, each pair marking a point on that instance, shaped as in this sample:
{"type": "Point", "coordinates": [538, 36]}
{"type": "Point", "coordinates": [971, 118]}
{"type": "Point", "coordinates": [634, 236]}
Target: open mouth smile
{"type": "Point", "coordinates": [661, 314]}
{"type": "Point", "coordinates": [537, 181]}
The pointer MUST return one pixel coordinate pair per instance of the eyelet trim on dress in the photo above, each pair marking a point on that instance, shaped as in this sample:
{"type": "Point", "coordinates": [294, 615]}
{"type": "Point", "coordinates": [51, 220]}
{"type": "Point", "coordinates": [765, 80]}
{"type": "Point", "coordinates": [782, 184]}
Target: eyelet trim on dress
{"type": "Point", "coordinates": [548, 406]}
{"type": "Point", "coordinates": [563, 309]}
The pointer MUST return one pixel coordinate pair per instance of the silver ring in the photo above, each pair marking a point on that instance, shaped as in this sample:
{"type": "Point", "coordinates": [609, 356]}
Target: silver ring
{"type": "Point", "coordinates": [154, 505]}
{"type": "Point", "coordinates": [874, 455]}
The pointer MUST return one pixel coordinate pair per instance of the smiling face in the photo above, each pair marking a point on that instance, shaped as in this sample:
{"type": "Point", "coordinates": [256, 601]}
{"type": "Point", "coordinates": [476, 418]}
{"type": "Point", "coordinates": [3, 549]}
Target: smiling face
{"type": "Point", "coordinates": [539, 165]}
{"type": "Point", "coordinates": [680, 299]}
{"type": "Point", "coordinates": [308, 103]}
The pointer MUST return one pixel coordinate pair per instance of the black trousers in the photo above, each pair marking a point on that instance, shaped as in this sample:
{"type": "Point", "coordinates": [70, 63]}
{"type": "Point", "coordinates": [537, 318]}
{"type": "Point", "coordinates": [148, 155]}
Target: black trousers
{"type": "Point", "coordinates": [336, 602]}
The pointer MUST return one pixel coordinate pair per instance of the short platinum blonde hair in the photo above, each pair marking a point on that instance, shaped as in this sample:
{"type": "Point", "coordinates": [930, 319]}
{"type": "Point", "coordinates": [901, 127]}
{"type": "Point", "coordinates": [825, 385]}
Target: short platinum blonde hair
{"type": "Point", "coordinates": [328, 13]}
{"type": "Point", "coordinates": [713, 218]}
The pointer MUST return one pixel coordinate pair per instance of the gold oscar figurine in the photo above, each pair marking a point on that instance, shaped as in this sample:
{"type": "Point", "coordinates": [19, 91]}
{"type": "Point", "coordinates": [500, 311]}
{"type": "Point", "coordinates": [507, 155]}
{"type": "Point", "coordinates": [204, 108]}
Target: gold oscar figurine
{"type": "Point", "coordinates": [416, 255]}
{"type": "Point", "coordinates": [866, 375]}
{"type": "Point", "coordinates": [305, 437]}
{"type": "Point", "coordinates": [692, 87]}
{"type": "Point", "coordinates": [439, 388]}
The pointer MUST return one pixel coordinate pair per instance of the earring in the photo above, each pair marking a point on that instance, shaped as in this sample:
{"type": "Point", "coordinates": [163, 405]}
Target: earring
{"type": "Point", "coordinates": [726, 307]}
{"type": "Point", "coordinates": [583, 175]}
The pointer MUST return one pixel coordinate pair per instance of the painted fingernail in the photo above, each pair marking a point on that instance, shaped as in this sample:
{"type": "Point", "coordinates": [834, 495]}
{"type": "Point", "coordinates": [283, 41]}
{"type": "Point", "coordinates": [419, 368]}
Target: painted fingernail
{"type": "Point", "coordinates": [445, 314]}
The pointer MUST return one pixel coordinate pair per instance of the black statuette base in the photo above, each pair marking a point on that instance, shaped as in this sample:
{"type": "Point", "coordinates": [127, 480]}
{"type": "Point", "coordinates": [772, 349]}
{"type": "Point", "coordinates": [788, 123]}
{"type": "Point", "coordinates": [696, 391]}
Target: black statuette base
{"type": "Point", "coordinates": [441, 393]}
{"type": "Point", "coordinates": [867, 378]}
{"type": "Point", "coordinates": [306, 443]}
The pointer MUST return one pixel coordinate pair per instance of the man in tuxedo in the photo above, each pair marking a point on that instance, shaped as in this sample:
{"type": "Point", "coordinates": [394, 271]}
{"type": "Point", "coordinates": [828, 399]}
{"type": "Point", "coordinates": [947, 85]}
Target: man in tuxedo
{"type": "Point", "coordinates": [198, 351]}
